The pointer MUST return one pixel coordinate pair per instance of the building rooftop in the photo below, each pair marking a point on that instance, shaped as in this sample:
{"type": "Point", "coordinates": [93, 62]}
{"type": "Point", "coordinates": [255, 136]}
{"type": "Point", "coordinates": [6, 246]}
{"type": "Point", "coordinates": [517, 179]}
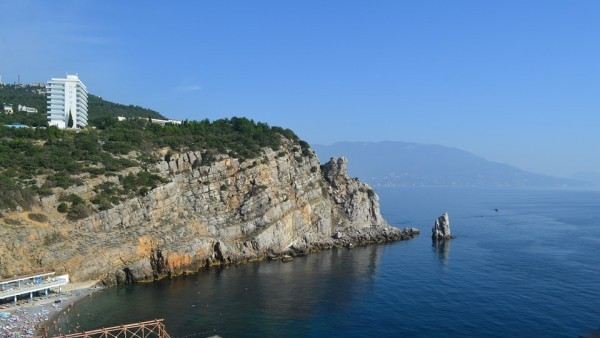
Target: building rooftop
{"type": "Point", "coordinates": [26, 277]}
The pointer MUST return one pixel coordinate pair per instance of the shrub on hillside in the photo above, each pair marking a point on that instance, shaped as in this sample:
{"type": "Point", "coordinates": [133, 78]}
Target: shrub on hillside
{"type": "Point", "coordinates": [62, 207]}
{"type": "Point", "coordinates": [38, 217]}
{"type": "Point", "coordinates": [53, 238]}
{"type": "Point", "coordinates": [78, 211]}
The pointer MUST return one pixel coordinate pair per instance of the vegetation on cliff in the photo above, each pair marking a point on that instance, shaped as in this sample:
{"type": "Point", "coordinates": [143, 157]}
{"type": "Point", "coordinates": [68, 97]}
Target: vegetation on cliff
{"type": "Point", "coordinates": [39, 161]}
{"type": "Point", "coordinates": [35, 161]}
{"type": "Point", "coordinates": [100, 109]}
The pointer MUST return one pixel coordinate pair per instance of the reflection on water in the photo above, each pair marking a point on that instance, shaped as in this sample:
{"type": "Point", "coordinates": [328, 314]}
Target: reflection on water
{"type": "Point", "coordinates": [261, 297]}
{"type": "Point", "coordinates": [530, 270]}
{"type": "Point", "coordinates": [441, 248]}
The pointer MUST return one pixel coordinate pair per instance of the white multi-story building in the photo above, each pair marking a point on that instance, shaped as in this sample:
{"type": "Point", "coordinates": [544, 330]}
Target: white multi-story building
{"type": "Point", "coordinates": [67, 102]}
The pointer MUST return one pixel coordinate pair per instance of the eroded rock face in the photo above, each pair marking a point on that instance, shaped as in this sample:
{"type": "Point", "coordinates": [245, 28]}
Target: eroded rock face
{"type": "Point", "coordinates": [441, 228]}
{"type": "Point", "coordinates": [356, 201]}
{"type": "Point", "coordinates": [227, 212]}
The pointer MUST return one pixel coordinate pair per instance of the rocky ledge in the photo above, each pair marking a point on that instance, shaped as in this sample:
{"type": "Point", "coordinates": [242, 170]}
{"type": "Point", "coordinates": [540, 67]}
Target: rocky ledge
{"type": "Point", "coordinates": [351, 237]}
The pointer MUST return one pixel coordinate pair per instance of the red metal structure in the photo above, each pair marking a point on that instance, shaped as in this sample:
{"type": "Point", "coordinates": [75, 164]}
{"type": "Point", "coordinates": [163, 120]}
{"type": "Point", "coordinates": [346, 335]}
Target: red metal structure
{"type": "Point", "coordinates": [150, 329]}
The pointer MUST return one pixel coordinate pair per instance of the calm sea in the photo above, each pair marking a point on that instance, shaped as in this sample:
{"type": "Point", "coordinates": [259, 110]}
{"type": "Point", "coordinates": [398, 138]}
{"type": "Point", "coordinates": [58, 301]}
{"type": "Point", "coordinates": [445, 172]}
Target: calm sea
{"type": "Point", "coordinates": [531, 269]}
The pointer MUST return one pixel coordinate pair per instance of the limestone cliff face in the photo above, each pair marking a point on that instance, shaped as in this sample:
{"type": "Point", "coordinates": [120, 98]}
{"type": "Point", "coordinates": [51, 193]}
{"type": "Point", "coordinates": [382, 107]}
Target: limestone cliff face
{"type": "Point", "coordinates": [225, 212]}
{"type": "Point", "coordinates": [357, 202]}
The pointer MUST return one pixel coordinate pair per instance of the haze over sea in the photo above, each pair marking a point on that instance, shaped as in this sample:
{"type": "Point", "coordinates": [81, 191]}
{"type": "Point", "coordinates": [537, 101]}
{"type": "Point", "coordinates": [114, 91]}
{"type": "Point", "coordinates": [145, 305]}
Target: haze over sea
{"type": "Point", "coordinates": [530, 269]}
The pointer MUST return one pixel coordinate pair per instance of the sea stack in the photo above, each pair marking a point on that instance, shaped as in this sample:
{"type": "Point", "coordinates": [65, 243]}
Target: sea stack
{"type": "Point", "coordinates": [441, 228]}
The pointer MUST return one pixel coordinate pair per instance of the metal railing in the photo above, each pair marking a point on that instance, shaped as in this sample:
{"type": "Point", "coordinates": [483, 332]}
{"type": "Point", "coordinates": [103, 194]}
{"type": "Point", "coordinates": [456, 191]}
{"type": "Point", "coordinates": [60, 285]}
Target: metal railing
{"type": "Point", "coordinates": [150, 329]}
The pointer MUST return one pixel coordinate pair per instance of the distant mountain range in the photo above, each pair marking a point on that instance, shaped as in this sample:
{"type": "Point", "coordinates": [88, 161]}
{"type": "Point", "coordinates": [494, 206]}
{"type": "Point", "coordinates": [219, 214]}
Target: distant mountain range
{"type": "Point", "coordinates": [402, 164]}
{"type": "Point", "coordinates": [592, 177]}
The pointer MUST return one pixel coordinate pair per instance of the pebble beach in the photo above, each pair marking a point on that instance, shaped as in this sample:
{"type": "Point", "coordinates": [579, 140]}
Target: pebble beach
{"type": "Point", "coordinates": [30, 318]}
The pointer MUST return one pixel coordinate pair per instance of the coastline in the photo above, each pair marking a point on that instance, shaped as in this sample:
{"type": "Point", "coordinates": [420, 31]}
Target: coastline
{"type": "Point", "coordinates": [347, 237]}
{"type": "Point", "coordinates": [36, 319]}
{"type": "Point", "coordinates": [31, 319]}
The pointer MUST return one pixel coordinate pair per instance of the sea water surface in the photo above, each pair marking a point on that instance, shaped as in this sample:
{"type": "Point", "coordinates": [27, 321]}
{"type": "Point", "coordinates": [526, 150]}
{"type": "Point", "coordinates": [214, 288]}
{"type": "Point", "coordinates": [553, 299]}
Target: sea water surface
{"type": "Point", "coordinates": [531, 269]}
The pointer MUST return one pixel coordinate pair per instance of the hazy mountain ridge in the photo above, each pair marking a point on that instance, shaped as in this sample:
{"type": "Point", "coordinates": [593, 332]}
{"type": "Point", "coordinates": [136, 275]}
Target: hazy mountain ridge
{"type": "Point", "coordinates": [592, 177]}
{"type": "Point", "coordinates": [401, 164]}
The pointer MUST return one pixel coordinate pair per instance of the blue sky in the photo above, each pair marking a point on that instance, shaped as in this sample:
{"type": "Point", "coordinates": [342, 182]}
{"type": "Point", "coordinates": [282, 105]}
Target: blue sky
{"type": "Point", "coordinates": [513, 81]}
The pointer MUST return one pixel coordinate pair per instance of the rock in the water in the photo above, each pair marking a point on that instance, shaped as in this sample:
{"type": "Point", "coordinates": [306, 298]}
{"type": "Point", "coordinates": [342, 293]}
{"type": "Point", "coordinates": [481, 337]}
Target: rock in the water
{"type": "Point", "coordinates": [413, 231]}
{"type": "Point", "coordinates": [441, 228]}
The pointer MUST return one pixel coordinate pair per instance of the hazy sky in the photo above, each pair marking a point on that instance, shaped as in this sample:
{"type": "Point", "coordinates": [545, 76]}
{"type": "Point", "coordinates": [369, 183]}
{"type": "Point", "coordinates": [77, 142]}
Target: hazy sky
{"type": "Point", "coordinates": [513, 81]}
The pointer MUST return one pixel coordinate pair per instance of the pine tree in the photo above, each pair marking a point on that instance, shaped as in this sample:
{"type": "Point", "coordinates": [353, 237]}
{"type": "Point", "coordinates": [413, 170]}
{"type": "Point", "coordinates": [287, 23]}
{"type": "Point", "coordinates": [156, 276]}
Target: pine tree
{"type": "Point", "coordinates": [70, 123]}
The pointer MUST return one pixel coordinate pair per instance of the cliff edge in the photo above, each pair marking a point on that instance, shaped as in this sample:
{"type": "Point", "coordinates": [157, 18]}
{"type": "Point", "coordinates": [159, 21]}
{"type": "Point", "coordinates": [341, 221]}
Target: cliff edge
{"type": "Point", "coordinates": [226, 211]}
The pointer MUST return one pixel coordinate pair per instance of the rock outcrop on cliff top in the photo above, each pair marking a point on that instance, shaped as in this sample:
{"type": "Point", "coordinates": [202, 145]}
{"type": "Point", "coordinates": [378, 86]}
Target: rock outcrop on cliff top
{"type": "Point", "coordinates": [230, 211]}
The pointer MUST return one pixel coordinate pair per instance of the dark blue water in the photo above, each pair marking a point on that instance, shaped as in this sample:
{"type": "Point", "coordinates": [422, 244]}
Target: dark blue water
{"type": "Point", "coordinates": [532, 269]}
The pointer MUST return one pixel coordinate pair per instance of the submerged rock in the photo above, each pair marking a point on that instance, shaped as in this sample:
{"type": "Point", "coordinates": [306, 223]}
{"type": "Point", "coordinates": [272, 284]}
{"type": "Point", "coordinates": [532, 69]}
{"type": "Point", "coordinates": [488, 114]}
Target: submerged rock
{"type": "Point", "coordinates": [441, 228]}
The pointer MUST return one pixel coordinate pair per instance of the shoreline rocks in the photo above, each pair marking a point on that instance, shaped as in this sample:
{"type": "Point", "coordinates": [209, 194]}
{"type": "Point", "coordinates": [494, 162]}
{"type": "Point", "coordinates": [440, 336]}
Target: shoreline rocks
{"type": "Point", "coordinates": [341, 238]}
{"type": "Point", "coordinates": [34, 318]}
{"type": "Point", "coordinates": [351, 237]}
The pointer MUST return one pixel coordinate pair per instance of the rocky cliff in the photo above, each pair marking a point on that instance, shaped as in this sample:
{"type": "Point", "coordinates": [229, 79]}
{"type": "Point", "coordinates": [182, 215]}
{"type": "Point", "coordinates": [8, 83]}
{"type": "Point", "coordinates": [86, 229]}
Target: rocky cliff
{"type": "Point", "coordinates": [229, 211]}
